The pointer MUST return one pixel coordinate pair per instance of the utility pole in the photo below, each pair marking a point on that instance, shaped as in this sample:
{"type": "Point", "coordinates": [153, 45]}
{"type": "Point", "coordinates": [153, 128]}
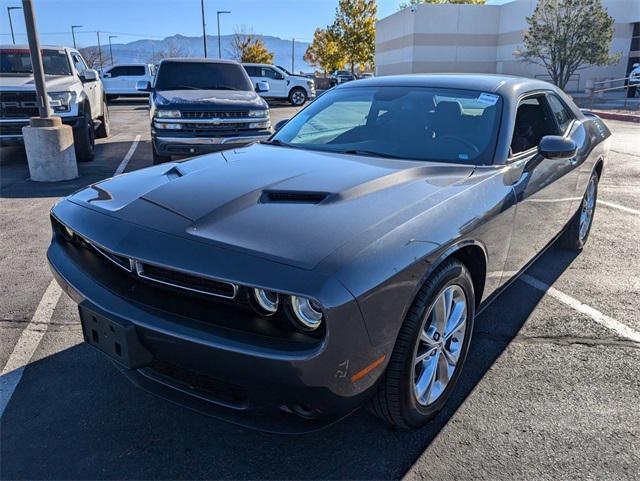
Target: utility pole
{"type": "Point", "coordinates": [110, 50]}
{"type": "Point", "coordinates": [73, 34]}
{"type": "Point", "coordinates": [36, 60]}
{"type": "Point", "coordinates": [13, 38]}
{"type": "Point", "coordinates": [293, 56]}
{"type": "Point", "coordinates": [99, 50]}
{"type": "Point", "coordinates": [204, 29]}
{"type": "Point", "coordinates": [218, 13]}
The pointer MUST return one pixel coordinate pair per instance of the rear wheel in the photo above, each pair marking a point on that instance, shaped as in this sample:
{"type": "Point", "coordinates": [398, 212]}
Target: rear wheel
{"type": "Point", "coordinates": [84, 138]}
{"type": "Point", "coordinates": [297, 96]}
{"type": "Point", "coordinates": [430, 350]}
{"type": "Point", "coordinates": [577, 233]}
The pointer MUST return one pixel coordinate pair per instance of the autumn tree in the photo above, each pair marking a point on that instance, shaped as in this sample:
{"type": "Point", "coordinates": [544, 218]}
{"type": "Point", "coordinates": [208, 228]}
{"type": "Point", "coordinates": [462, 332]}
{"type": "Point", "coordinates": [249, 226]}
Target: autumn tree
{"type": "Point", "coordinates": [324, 51]}
{"type": "Point", "coordinates": [355, 31]}
{"type": "Point", "coordinates": [412, 3]}
{"type": "Point", "coordinates": [91, 56]}
{"type": "Point", "coordinates": [247, 47]}
{"type": "Point", "coordinates": [565, 36]}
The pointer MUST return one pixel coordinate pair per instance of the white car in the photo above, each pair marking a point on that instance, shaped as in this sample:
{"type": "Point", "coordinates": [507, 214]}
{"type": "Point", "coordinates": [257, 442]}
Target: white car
{"type": "Point", "coordinates": [75, 94]}
{"type": "Point", "coordinates": [282, 85]}
{"type": "Point", "coordinates": [121, 79]}
{"type": "Point", "coordinates": [634, 80]}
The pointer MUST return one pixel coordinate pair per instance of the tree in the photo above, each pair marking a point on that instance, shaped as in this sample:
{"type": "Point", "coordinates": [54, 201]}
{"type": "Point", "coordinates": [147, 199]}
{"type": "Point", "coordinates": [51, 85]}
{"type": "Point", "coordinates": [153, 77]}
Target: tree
{"type": "Point", "coordinates": [246, 47]}
{"type": "Point", "coordinates": [565, 36]}
{"type": "Point", "coordinates": [171, 49]}
{"type": "Point", "coordinates": [355, 29]}
{"type": "Point", "coordinates": [418, 2]}
{"type": "Point", "coordinates": [325, 51]}
{"type": "Point", "coordinates": [91, 56]}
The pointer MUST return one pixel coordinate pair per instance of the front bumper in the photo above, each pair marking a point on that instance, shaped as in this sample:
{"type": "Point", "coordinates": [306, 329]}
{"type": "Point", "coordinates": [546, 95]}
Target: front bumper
{"type": "Point", "coordinates": [11, 129]}
{"type": "Point", "coordinates": [268, 380]}
{"type": "Point", "coordinates": [167, 143]}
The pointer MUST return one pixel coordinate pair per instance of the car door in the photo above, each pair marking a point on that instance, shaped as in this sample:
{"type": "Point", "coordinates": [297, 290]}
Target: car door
{"type": "Point", "coordinates": [277, 82]}
{"type": "Point", "coordinates": [544, 188]}
{"type": "Point", "coordinates": [93, 89]}
{"type": "Point", "coordinates": [113, 79]}
{"type": "Point", "coordinates": [131, 76]}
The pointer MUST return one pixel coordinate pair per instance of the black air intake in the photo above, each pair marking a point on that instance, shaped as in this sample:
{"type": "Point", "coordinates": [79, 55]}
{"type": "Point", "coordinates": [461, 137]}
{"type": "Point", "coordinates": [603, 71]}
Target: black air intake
{"type": "Point", "coordinates": [292, 197]}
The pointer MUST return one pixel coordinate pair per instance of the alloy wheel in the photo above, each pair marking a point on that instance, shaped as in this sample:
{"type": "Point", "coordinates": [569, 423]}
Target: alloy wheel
{"type": "Point", "coordinates": [440, 344]}
{"type": "Point", "coordinates": [298, 97]}
{"type": "Point", "coordinates": [587, 208]}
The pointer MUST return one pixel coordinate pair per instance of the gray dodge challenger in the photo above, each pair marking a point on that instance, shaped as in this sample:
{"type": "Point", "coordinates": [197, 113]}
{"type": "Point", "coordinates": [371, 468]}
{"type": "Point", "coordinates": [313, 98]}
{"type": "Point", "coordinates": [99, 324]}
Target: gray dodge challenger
{"type": "Point", "coordinates": [341, 262]}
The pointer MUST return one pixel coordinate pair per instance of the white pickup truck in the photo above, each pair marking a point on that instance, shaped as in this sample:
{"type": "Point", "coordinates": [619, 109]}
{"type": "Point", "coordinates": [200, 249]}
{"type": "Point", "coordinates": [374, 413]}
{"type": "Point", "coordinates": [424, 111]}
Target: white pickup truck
{"type": "Point", "coordinates": [121, 79]}
{"type": "Point", "coordinates": [282, 85]}
{"type": "Point", "coordinates": [75, 94]}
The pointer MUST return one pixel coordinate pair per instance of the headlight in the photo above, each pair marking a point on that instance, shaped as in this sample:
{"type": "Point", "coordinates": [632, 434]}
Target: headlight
{"type": "Point", "coordinates": [60, 101]}
{"type": "Point", "coordinates": [259, 125]}
{"type": "Point", "coordinates": [167, 126]}
{"type": "Point", "coordinates": [266, 302]}
{"type": "Point", "coordinates": [258, 113]}
{"type": "Point", "coordinates": [168, 114]}
{"type": "Point", "coordinates": [306, 313]}
{"type": "Point", "coordinates": [67, 233]}
{"type": "Point", "coordinates": [310, 83]}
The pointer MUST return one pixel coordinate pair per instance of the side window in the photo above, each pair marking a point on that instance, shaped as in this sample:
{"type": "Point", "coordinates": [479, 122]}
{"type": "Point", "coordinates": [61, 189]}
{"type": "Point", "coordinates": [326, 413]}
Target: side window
{"type": "Point", "coordinates": [116, 72]}
{"type": "Point", "coordinates": [560, 112]}
{"type": "Point", "coordinates": [253, 71]}
{"type": "Point", "coordinates": [79, 63]}
{"type": "Point", "coordinates": [271, 73]}
{"type": "Point", "coordinates": [532, 123]}
{"type": "Point", "coordinates": [135, 71]}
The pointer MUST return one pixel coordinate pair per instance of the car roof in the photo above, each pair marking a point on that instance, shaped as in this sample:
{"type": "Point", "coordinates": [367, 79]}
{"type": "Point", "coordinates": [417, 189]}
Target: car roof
{"type": "Point", "coordinates": [10, 46]}
{"type": "Point", "coordinates": [251, 64]}
{"type": "Point", "coordinates": [132, 64]}
{"type": "Point", "coordinates": [198, 60]}
{"type": "Point", "coordinates": [506, 85]}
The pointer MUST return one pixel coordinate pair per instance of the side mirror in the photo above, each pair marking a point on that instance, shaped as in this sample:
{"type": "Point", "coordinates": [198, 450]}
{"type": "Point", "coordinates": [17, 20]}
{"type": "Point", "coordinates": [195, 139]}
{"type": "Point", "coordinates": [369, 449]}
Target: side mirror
{"type": "Point", "coordinates": [555, 147]}
{"type": "Point", "coordinates": [280, 124]}
{"type": "Point", "coordinates": [143, 86]}
{"type": "Point", "coordinates": [262, 86]}
{"type": "Point", "coordinates": [89, 75]}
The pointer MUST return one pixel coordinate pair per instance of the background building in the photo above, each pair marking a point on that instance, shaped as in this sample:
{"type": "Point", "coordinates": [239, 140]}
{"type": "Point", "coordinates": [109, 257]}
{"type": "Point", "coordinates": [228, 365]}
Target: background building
{"type": "Point", "coordinates": [483, 38]}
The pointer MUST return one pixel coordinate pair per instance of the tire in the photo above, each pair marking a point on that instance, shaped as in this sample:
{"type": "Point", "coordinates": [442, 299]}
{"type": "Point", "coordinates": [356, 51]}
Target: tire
{"type": "Point", "coordinates": [104, 130]}
{"type": "Point", "coordinates": [575, 236]}
{"type": "Point", "coordinates": [297, 96]}
{"type": "Point", "coordinates": [396, 400]}
{"type": "Point", "coordinates": [84, 138]}
{"type": "Point", "coordinates": [157, 158]}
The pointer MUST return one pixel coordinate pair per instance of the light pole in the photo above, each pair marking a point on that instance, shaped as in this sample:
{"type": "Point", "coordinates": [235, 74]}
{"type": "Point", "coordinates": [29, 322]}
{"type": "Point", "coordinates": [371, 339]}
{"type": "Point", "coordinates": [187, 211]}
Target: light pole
{"type": "Point", "coordinates": [204, 30]}
{"type": "Point", "coordinates": [11, 23]}
{"type": "Point", "coordinates": [73, 34]}
{"type": "Point", "coordinates": [218, 13]}
{"type": "Point", "coordinates": [99, 50]}
{"type": "Point", "coordinates": [293, 56]}
{"type": "Point", "coordinates": [110, 50]}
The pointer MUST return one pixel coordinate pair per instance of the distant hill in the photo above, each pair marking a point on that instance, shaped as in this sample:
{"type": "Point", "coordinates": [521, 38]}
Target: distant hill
{"type": "Point", "coordinates": [144, 50]}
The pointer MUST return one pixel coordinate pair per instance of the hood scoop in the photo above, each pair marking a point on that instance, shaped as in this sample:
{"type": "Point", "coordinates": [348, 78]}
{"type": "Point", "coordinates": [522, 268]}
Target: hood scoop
{"type": "Point", "coordinates": [292, 197]}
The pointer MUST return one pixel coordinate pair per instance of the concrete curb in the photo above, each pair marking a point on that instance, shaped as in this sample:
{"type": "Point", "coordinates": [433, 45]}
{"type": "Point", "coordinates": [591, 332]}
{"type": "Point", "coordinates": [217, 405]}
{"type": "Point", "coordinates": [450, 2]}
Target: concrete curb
{"type": "Point", "coordinates": [617, 116]}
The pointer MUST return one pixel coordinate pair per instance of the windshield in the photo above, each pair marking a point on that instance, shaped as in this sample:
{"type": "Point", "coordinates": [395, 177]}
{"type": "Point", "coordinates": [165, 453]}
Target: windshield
{"type": "Point", "coordinates": [413, 123]}
{"type": "Point", "coordinates": [202, 76]}
{"type": "Point", "coordinates": [18, 61]}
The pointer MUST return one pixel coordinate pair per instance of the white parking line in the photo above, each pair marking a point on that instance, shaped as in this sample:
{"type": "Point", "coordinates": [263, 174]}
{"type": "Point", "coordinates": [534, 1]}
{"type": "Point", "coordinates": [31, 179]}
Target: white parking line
{"type": "Point", "coordinates": [127, 158]}
{"type": "Point", "coordinates": [608, 322]}
{"type": "Point", "coordinates": [619, 207]}
{"type": "Point", "coordinates": [27, 344]}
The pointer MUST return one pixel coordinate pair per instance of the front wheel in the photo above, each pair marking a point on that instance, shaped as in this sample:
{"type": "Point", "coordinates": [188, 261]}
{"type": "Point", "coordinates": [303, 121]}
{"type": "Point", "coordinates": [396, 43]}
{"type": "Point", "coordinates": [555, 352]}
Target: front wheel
{"type": "Point", "coordinates": [158, 158]}
{"type": "Point", "coordinates": [577, 233]}
{"type": "Point", "coordinates": [84, 138]}
{"type": "Point", "coordinates": [104, 130]}
{"type": "Point", "coordinates": [298, 96]}
{"type": "Point", "coordinates": [430, 350]}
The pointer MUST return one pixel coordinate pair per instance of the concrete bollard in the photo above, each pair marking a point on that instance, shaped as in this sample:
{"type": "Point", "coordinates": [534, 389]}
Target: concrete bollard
{"type": "Point", "coordinates": [50, 152]}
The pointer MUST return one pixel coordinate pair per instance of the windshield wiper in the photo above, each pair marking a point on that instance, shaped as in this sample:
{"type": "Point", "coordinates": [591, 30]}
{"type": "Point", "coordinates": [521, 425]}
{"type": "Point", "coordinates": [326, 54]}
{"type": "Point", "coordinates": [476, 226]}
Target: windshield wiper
{"type": "Point", "coordinates": [371, 153]}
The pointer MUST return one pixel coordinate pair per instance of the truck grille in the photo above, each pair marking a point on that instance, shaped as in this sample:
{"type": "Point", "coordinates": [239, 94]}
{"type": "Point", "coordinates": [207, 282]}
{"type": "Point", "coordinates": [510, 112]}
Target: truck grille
{"type": "Point", "coordinates": [193, 114]}
{"type": "Point", "coordinates": [11, 129]}
{"type": "Point", "coordinates": [20, 105]}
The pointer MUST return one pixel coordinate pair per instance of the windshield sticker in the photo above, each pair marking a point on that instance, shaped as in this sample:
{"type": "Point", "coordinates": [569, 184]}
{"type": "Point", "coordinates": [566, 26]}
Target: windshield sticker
{"type": "Point", "coordinates": [463, 156]}
{"type": "Point", "coordinates": [488, 99]}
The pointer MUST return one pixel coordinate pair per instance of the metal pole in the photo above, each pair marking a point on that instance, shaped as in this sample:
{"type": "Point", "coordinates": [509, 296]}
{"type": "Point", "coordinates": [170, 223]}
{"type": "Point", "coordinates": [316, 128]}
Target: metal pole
{"type": "Point", "coordinates": [110, 49]}
{"type": "Point", "coordinates": [218, 13]}
{"type": "Point", "coordinates": [73, 34]}
{"type": "Point", "coordinates": [13, 38]}
{"type": "Point", "coordinates": [36, 60]}
{"type": "Point", "coordinates": [99, 50]}
{"type": "Point", "coordinates": [204, 29]}
{"type": "Point", "coordinates": [293, 56]}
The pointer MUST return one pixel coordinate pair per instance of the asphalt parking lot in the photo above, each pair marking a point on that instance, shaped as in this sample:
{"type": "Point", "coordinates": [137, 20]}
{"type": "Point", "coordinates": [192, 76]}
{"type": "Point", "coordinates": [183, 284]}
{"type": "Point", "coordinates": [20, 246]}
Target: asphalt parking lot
{"type": "Point", "coordinates": [551, 389]}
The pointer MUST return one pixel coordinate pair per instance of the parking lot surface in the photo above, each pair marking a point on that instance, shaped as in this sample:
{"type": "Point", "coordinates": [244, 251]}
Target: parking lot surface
{"type": "Point", "coordinates": [551, 389]}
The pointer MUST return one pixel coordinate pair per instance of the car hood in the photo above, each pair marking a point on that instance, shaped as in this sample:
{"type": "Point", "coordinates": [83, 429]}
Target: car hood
{"type": "Point", "coordinates": [26, 82]}
{"type": "Point", "coordinates": [285, 204]}
{"type": "Point", "coordinates": [206, 98]}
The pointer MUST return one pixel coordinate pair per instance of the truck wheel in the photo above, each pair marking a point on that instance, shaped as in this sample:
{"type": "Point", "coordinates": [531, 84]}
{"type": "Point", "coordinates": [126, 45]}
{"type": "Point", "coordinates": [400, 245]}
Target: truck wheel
{"type": "Point", "coordinates": [105, 128]}
{"type": "Point", "coordinates": [84, 138]}
{"type": "Point", "coordinates": [157, 158]}
{"type": "Point", "coordinates": [298, 96]}
{"type": "Point", "coordinates": [430, 350]}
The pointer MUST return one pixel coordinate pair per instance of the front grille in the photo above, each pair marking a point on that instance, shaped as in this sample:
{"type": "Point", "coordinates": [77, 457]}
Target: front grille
{"type": "Point", "coordinates": [193, 114]}
{"type": "Point", "coordinates": [186, 281]}
{"type": "Point", "coordinates": [11, 129]}
{"type": "Point", "coordinates": [18, 105]}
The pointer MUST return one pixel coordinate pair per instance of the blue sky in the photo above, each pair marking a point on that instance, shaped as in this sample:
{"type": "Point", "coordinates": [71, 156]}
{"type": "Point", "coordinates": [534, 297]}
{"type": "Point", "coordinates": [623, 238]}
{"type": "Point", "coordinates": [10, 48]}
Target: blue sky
{"type": "Point", "coordinates": [135, 19]}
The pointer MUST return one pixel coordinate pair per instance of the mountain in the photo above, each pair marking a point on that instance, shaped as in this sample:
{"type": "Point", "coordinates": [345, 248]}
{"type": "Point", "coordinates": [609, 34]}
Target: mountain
{"type": "Point", "coordinates": [145, 50]}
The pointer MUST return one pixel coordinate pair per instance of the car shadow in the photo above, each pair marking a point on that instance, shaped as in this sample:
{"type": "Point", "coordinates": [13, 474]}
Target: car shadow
{"type": "Point", "coordinates": [74, 416]}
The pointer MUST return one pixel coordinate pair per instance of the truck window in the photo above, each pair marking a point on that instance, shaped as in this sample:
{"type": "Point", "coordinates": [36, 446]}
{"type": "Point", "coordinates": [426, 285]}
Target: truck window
{"type": "Point", "coordinates": [128, 71]}
{"type": "Point", "coordinates": [202, 76]}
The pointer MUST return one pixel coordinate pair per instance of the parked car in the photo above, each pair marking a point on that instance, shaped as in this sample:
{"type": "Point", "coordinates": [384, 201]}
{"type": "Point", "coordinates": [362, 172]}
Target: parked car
{"type": "Point", "coordinates": [121, 79]}
{"type": "Point", "coordinates": [342, 261]}
{"type": "Point", "coordinates": [365, 75]}
{"type": "Point", "coordinates": [282, 85]}
{"type": "Point", "coordinates": [341, 76]}
{"type": "Point", "coordinates": [75, 91]}
{"type": "Point", "coordinates": [204, 105]}
{"type": "Point", "coordinates": [634, 80]}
